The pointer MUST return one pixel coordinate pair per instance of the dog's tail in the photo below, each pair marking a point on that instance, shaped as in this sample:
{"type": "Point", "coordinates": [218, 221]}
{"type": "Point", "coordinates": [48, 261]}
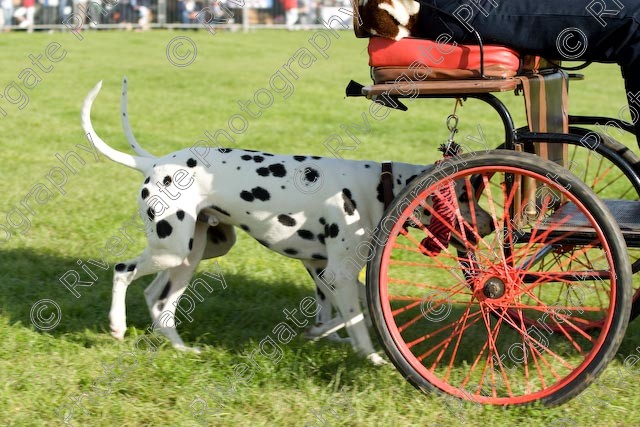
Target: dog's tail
{"type": "Point", "coordinates": [126, 126]}
{"type": "Point", "coordinates": [142, 164]}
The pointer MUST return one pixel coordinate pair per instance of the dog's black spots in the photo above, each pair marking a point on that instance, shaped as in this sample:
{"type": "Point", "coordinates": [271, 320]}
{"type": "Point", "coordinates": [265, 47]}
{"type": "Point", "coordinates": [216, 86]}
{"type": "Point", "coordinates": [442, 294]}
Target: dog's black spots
{"type": "Point", "coordinates": [290, 251]}
{"type": "Point", "coordinates": [367, 166]}
{"type": "Point", "coordinates": [283, 187]}
{"type": "Point", "coordinates": [131, 267]}
{"type": "Point", "coordinates": [331, 230]}
{"type": "Point", "coordinates": [121, 267]}
{"type": "Point", "coordinates": [163, 228]}
{"type": "Point", "coordinates": [245, 195]}
{"type": "Point", "coordinates": [318, 256]}
{"type": "Point", "coordinates": [144, 194]}
{"type": "Point", "coordinates": [322, 221]}
{"type": "Point", "coordinates": [238, 168]}
{"type": "Point", "coordinates": [165, 291]}
{"type": "Point", "coordinates": [321, 238]}
{"type": "Point", "coordinates": [260, 194]}
{"type": "Point", "coordinates": [316, 157]}
{"type": "Point", "coordinates": [245, 227]}
{"type": "Point", "coordinates": [349, 203]}
{"type": "Point", "coordinates": [216, 235]}
{"type": "Point", "coordinates": [124, 114]}
{"type": "Point", "coordinates": [319, 272]}
{"type": "Point", "coordinates": [190, 243]}
{"type": "Point", "coordinates": [286, 220]}
{"type": "Point", "coordinates": [398, 181]}
{"type": "Point", "coordinates": [258, 159]}
{"type": "Point", "coordinates": [342, 240]}
{"type": "Point", "coordinates": [267, 154]}
{"type": "Point", "coordinates": [174, 156]}
{"type": "Point", "coordinates": [278, 170]}
{"type": "Point", "coordinates": [263, 243]}
{"type": "Point", "coordinates": [192, 163]}
{"type": "Point", "coordinates": [306, 234]}
{"type": "Point", "coordinates": [411, 178]}
{"type": "Point", "coordinates": [300, 158]}
{"type": "Point", "coordinates": [180, 215]}
{"type": "Point", "coordinates": [320, 294]}
{"type": "Point", "coordinates": [246, 157]}
{"type": "Point", "coordinates": [426, 212]}
{"type": "Point", "coordinates": [248, 213]}
{"type": "Point", "coordinates": [225, 150]}
{"type": "Point", "coordinates": [166, 181]}
{"type": "Point", "coordinates": [311, 175]}
{"type": "Point", "coordinates": [224, 162]}
{"type": "Point", "coordinates": [146, 181]}
{"type": "Point", "coordinates": [219, 209]}
{"type": "Point", "coordinates": [251, 151]}
{"type": "Point", "coordinates": [464, 197]}
{"type": "Point", "coordinates": [151, 214]}
{"type": "Point", "coordinates": [160, 306]}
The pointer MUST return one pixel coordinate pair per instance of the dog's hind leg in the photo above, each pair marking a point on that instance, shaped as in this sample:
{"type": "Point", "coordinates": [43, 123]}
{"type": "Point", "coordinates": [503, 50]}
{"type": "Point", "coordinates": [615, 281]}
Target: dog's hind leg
{"type": "Point", "coordinates": [125, 273]}
{"type": "Point", "coordinates": [164, 252]}
{"type": "Point", "coordinates": [176, 280]}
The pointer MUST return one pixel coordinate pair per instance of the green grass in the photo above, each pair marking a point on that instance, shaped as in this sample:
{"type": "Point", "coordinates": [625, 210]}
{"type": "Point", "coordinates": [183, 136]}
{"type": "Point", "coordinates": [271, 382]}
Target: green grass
{"type": "Point", "coordinates": [170, 109]}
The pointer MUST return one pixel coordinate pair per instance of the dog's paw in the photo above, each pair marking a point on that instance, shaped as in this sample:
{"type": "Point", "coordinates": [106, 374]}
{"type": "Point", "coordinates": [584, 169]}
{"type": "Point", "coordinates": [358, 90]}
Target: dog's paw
{"type": "Point", "coordinates": [118, 330]}
{"type": "Point", "coordinates": [187, 349]}
{"type": "Point", "coordinates": [376, 359]}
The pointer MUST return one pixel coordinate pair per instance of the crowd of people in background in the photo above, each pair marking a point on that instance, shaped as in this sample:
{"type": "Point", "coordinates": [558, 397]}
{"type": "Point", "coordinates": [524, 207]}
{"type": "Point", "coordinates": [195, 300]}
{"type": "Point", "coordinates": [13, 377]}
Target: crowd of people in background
{"type": "Point", "coordinates": [24, 14]}
{"type": "Point", "coordinates": [27, 13]}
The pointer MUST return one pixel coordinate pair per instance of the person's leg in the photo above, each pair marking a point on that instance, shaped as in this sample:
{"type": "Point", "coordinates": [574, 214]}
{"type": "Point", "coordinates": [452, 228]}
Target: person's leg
{"type": "Point", "coordinates": [565, 30]}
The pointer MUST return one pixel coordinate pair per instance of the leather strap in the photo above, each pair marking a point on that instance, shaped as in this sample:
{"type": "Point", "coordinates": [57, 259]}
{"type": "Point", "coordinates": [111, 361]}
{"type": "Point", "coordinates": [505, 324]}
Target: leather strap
{"type": "Point", "coordinates": [386, 179]}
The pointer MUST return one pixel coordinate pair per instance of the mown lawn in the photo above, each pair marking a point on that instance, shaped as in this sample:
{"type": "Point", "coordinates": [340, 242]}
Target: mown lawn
{"type": "Point", "coordinates": [171, 107]}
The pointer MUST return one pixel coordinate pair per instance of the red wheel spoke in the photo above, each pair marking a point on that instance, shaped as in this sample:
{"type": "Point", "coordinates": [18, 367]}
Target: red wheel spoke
{"type": "Point", "coordinates": [439, 330]}
{"type": "Point", "coordinates": [508, 320]}
{"type": "Point", "coordinates": [492, 346]}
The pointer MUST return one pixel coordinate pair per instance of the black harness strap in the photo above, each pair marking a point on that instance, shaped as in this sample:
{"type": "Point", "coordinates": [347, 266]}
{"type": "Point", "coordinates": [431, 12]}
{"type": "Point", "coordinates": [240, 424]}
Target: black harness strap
{"type": "Point", "coordinates": [386, 179]}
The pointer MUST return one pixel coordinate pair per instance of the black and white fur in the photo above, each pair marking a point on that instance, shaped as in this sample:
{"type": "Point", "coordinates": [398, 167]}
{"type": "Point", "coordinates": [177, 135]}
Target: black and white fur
{"type": "Point", "coordinates": [250, 190]}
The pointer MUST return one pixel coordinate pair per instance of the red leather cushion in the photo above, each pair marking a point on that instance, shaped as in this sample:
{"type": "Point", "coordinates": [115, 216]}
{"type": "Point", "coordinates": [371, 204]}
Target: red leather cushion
{"type": "Point", "coordinates": [386, 53]}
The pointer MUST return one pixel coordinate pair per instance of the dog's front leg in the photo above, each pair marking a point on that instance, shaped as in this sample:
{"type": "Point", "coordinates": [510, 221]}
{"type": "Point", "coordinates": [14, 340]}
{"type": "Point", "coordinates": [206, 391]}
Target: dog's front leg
{"type": "Point", "coordinates": [342, 279]}
{"type": "Point", "coordinates": [326, 325]}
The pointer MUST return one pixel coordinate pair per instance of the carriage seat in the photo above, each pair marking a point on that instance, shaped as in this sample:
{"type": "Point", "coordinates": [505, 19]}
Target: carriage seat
{"type": "Point", "coordinates": [421, 59]}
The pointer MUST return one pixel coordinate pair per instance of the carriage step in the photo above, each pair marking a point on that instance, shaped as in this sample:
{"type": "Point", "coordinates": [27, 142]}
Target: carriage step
{"type": "Point", "coordinates": [568, 219]}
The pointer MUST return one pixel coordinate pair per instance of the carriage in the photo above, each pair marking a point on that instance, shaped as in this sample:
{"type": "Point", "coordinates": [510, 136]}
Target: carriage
{"type": "Point", "coordinates": [535, 309]}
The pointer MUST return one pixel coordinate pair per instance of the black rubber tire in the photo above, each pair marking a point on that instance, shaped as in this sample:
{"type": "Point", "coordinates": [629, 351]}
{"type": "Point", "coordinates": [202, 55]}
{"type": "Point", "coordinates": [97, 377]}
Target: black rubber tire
{"type": "Point", "coordinates": [534, 164]}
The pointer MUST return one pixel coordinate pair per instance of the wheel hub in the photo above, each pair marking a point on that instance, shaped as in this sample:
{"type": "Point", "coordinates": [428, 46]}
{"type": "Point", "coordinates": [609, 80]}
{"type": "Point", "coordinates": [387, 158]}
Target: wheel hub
{"type": "Point", "coordinates": [493, 288]}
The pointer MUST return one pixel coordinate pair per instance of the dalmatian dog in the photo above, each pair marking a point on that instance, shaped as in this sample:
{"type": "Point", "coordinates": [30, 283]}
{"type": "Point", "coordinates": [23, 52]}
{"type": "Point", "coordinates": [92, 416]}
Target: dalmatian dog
{"type": "Point", "coordinates": [230, 187]}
